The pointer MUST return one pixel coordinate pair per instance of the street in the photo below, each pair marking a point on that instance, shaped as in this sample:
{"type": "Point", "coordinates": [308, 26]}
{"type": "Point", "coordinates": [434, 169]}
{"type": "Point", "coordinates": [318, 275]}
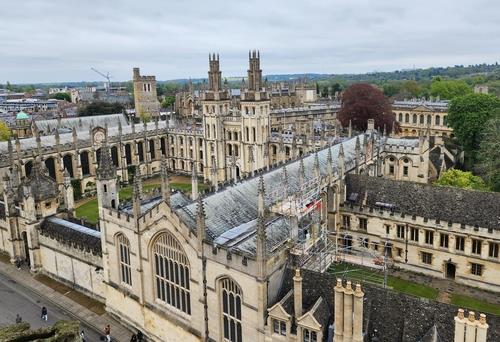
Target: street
{"type": "Point", "coordinates": [15, 299]}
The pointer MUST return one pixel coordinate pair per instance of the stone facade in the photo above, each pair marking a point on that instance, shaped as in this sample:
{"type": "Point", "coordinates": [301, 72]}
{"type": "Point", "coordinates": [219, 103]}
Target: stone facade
{"type": "Point", "coordinates": [145, 97]}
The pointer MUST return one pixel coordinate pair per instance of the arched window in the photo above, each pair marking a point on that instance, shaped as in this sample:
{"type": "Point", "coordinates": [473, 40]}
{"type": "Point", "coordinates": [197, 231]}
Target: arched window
{"type": "Point", "coordinates": [407, 117]}
{"type": "Point", "coordinates": [400, 117]}
{"type": "Point", "coordinates": [429, 119]}
{"type": "Point", "coordinates": [414, 118]}
{"type": "Point", "coordinates": [231, 310]}
{"type": "Point", "coordinates": [438, 120]}
{"type": "Point", "coordinates": [171, 271]}
{"type": "Point", "coordinates": [253, 134]}
{"type": "Point", "coordinates": [421, 119]}
{"type": "Point", "coordinates": [124, 254]}
{"type": "Point", "coordinates": [445, 121]}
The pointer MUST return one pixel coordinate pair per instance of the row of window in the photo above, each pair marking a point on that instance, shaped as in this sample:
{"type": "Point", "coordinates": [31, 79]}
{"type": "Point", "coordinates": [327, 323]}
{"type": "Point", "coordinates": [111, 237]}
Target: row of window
{"type": "Point", "coordinates": [475, 269]}
{"type": "Point", "coordinates": [421, 118]}
{"type": "Point", "coordinates": [279, 328]}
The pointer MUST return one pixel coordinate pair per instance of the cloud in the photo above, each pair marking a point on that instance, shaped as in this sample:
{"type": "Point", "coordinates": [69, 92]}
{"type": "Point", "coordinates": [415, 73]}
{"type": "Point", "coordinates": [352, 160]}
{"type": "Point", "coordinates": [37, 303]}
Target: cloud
{"type": "Point", "coordinates": [46, 41]}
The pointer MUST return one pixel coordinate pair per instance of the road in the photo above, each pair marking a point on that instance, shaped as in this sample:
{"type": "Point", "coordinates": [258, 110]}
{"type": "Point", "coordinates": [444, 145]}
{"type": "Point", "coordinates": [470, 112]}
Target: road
{"type": "Point", "coordinates": [15, 299]}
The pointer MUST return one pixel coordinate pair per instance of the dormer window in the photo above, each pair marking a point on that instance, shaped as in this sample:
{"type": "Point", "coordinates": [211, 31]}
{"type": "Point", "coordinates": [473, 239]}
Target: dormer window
{"type": "Point", "coordinates": [309, 335]}
{"type": "Point", "coordinates": [279, 327]}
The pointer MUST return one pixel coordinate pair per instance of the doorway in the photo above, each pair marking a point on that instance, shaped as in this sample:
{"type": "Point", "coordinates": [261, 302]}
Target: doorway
{"type": "Point", "coordinates": [450, 270]}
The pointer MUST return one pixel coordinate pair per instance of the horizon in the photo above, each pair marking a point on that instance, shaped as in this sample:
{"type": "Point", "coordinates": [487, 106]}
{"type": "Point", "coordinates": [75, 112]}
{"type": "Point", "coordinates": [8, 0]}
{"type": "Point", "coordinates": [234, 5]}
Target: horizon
{"type": "Point", "coordinates": [51, 42]}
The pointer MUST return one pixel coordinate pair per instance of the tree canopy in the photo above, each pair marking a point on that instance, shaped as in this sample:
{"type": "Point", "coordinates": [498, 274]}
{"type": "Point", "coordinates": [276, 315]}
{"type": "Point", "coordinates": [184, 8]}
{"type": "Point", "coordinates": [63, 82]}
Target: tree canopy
{"type": "Point", "coordinates": [363, 101]}
{"type": "Point", "coordinates": [461, 179]}
{"type": "Point", "coordinates": [61, 96]}
{"type": "Point", "coordinates": [100, 108]}
{"type": "Point", "coordinates": [468, 114]}
{"type": "Point", "coordinates": [448, 89]}
{"type": "Point", "coordinates": [488, 164]}
{"type": "Point", "coordinates": [4, 131]}
{"type": "Point", "coordinates": [168, 101]}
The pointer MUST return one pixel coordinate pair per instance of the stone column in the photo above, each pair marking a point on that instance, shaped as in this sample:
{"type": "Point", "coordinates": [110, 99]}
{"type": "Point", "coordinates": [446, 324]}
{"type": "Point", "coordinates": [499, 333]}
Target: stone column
{"type": "Point", "coordinates": [339, 311]}
{"type": "Point", "coordinates": [348, 295]}
{"type": "Point", "coordinates": [297, 293]}
{"type": "Point", "coordinates": [470, 327]}
{"type": "Point", "coordinates": [482, 328]}
{"type": "Point", "coordinates": [358, 314]}
{"type": "Point", "coordinates": [460, 326]}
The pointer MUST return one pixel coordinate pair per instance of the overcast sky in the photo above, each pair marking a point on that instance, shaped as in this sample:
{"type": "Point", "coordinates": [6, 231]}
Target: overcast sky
{"type": "Point", "coordinates": [55, 40]}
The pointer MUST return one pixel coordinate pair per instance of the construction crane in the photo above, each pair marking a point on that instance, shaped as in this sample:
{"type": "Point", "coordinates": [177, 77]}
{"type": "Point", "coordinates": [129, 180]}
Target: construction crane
{"type": "Point", "coordinates": [107, 76]}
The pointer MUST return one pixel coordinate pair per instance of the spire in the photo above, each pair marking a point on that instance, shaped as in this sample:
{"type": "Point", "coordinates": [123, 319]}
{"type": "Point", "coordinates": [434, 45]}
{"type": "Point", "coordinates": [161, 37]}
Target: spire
{"type": "Point", "coordinates": [106, 169]}
{"type": "Point", "coordinates": [194, 182]}
{"type": "Point", "coordinates": [200, 222]}
{"type": "Point", "coordinates": [349, 134]}
{"type": "Point", "coordinates": [165, 185]}
{"type": "Point", "coordinates": [261, 194]}
{"type": "Point", "coordinates": [260, 242]}
{"type": "Point", "coordinates": [357, 155]}
{"type": "Point", "coordinates": [137, 192]}
{"type": "Point", "coordinates": [341, 161]}
{"type": "Point", "coordinates": [329, 161]}
{"type": "Point", "coordinates": [317, 170]}
{"type": "Point", "coordinates": [302, 172]}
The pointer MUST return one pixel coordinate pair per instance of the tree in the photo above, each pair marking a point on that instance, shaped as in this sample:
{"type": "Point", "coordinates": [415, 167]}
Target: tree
{"type": "Point", "coordinates": [488, 164]}
{"type": "Point", "coordinates": [409, 89]}
{"type": "Point", "coordinates": [100, 108]}
{"type": "Point", "coordinates": [361, 102]}
{"type": "Point", "coordinates": [449, 89]}
{"type": "Point", "coordinates": [4, 131]}
{"type": "Point", "coordinates": [467, 115]}
{"type": "Point", "coordinates": [168, 101]}
{"type": "Point", "coordinates": [61, 96]}
{"type": "Point", "coordinates": [391, 89]}
{"type": "Point", "coordinates": [461, 179]}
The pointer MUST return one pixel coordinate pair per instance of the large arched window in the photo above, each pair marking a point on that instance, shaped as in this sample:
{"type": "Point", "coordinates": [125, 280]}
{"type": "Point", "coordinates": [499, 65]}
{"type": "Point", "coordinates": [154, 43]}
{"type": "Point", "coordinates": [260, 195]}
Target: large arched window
{"type": "Point", "coordinates": [124, 254]}
{"type": "Point", "coordinates": [407, 117]}
{"type": "Point", "coordinates": [438, 120]}
{"type": "Point", "coordinates": [171, 270]}
{"type": "Point", "coordinates": [400, 117]}
{"type": "Point", "coordinates": [231, 310]}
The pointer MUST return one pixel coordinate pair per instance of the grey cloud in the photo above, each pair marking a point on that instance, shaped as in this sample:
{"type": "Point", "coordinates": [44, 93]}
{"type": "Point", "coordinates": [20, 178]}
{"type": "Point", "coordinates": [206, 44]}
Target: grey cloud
{"type": "Point", "coordinates": [44, 41]}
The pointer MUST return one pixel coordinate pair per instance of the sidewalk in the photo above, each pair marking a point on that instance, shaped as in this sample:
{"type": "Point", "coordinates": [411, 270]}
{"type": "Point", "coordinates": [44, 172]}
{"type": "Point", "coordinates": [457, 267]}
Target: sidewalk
{"type": "Point", "coordinates": [25, 279]}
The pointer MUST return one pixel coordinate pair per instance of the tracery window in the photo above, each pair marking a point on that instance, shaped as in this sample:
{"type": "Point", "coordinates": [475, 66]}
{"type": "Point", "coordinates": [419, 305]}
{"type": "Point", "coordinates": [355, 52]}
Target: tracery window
{"type": "Point", "coordinates": [171, 269]}
{"type": "Point", "coordinates": [124, 254]}
{"type": "Point", "coordinates": [231, 310]}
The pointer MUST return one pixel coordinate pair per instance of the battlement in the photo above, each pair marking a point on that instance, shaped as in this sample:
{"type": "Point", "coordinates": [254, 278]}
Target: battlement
{"type": "Point", "coordinates": [138, 77]}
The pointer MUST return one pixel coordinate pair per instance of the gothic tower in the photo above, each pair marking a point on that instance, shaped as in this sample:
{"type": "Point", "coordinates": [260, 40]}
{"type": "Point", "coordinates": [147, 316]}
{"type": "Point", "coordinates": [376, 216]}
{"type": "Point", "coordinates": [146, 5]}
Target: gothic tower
{"type": "Point", "coordinates": [145, 97]}
{"type": "Point", "coordinates": [255, 123]}
{"type": "Point", "coordinates": [107, 187]}
{"type": "Point", "coordinates": [215, 102]}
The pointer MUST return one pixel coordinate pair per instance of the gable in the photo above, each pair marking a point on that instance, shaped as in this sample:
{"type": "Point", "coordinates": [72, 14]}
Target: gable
{"type": "Point", "coordinates": [307, 320]}
{"type": "Point", "coordinates": [277, 311]}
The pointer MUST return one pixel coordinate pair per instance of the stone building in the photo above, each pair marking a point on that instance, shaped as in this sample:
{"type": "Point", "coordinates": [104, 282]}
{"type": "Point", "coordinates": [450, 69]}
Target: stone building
{"type": "Point", "coordinates": [145, 96]}
{"type": "Point", "coordinates": [416, 116]}
{"type": "Point", "coordinates": [217, 266]}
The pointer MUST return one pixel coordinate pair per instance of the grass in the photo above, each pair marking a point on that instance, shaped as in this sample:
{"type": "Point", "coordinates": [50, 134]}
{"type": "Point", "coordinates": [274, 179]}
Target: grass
{"type": "Point", "coordinates": [90, 212]}
{"type": "Point", "coordinates": [474, 304]}
{"type": "Point", "coordinates": [366, 275]}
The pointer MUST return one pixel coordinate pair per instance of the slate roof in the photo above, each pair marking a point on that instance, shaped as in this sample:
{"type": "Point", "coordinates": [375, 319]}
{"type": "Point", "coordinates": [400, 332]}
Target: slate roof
{"type": "Point", "coordinates": [73, 234]}
{"type": "Point", "coordinates": [442, 203]}
{"type": "Point", "coordinates": [42, 186]}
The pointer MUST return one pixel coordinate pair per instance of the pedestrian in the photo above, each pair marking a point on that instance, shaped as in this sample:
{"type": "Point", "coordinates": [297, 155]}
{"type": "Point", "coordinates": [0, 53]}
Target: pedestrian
{"type": "Point", "coordinates": [45, 317]}
{"type": "Point", "coordinates": [82, 336]}
{"type": "Point", "coordinates": [18, 319]}
{"type": "Point", "coordinates": [18, 263]}
{"type": "Point", "coordinates": [133, 338]}
{"type": "Point", "coordinates": [107, 332]}
{"type": "Point", "coordinates": [139, 336]}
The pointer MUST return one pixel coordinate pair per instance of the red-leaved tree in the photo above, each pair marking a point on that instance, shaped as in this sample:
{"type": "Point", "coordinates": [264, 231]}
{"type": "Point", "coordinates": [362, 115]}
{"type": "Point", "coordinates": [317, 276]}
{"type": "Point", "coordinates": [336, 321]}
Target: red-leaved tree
{"type": "Point", "coordinates": [363, 101]}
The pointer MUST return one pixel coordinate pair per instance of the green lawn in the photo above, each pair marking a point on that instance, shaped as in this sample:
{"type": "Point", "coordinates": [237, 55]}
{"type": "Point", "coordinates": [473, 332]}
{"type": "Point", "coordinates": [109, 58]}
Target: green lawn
{"type": "Point", "coordinates": [90, 212]}
{"type": "Point", "coordinates": [362, 274]}
{"type": "Point", "coordinates": [474, 304]}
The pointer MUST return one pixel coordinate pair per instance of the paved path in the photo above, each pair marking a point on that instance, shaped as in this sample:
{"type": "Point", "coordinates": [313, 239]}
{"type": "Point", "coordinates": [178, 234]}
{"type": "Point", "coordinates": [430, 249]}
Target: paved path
{"type": "Point", "coordinates": [19, 289]}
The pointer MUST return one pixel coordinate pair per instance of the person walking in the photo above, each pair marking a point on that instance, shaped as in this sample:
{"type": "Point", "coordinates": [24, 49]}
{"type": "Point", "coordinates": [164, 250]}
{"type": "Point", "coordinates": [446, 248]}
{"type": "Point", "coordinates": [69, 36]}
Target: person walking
{"type": "Point", "coordinates": [140, 336]}
{"type": "Point", "coordinates": [18, 319]}
{"type": "Point", "coordinates": [82, 336]}
{"type": "Point", "coordinates": [133, 338]}
{"type": "Point", "coordinates": [45, 317]}
{"type": "Point", "coordinates": [107, 332]}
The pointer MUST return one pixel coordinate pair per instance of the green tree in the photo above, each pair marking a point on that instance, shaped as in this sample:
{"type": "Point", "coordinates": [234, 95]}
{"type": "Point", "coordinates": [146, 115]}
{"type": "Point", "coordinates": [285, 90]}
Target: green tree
{"type": "Point", "coordinates": [449, 89]}
{"type": "Point", "coordinates": [467, 115]}
{"type": "Point", "coordinates": [61, 96]}
{"type": "Point", "coordinates": [4, 131]}
{"type": "Point", "coordinates": [409, 88]}
{"type": "Point", "coordinates": [391, 89]}
{"type": "Point", "coordinates": [461, 179]}
{"type": "Point", "coordinates": [168, 101]}
{"type": "Point", "coordinates": [488, 164]}
{"type": "Point", "coordinates": [100, 108]}
{"type": "Point", "coordinates": [9, 86]}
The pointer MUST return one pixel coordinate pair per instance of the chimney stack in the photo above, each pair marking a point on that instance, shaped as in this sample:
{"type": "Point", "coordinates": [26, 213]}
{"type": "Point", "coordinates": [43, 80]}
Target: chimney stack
{"type": "Point", "coordinates": [297, 293]}
{"type": "Point", "coordinates": [348, 313]}
{"type": "Point", "coordinates": [469, 329]}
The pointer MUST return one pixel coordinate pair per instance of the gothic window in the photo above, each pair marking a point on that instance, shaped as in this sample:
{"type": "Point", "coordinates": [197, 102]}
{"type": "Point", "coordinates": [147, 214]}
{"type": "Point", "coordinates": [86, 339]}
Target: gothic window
{"type": "Point", "coordinates": [405, 171]}
{"type": "Point", "coordinates": [443, 242]}
{"type": "Point", "coordinates": [414, 234]}
{"type": "Point", "coordinates": [400, 231]}
{"type": "Point", "coordinates": [476, 246]}
{"type": "Point", "coordinates": [460, 243]}
{"type": "Point", "coordinates": [124, 254]}
{"type": "Point", "coordinates": [429, 237]}
{"type": "Point", "coordinates": [309, 335]}
{"type": "Point", "coordinates": [493, 250]}
{"type": "Point", "coordinates": [236, 136]}
{"type": "Point", "coordinates": [253, 134]}
{"type": "Point", "coordinates": [247, 133]}
{"type": "Point", "coordinates": [171, 269]}
{"type": "Point", "coordinates": [231, 310]}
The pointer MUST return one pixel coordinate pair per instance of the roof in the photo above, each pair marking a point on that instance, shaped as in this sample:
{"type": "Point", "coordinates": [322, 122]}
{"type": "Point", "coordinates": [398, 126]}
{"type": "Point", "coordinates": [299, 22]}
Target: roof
{"type": "Point", "coordinates": [22, 116]}
{"type": "Point", "coordinates": [38, 184]}
{"type": "Point", "coordinates": [448, 204]}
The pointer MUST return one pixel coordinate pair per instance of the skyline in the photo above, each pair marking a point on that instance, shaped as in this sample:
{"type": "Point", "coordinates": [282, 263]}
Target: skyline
{"type": "Point", "coordinates": [173, 42]}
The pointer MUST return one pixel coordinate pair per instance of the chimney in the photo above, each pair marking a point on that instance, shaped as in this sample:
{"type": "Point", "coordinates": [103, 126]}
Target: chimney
{"type": "Point", "coordinates": [470, 327]}
{"type": "Point", "coordinates": [348, 296]}
{"type": "Point", "coordinates": [339, 311]}
{"type": "Point", "coordinates": [297, 294]}
{"type": "Point", "coordinates": [358, 315]}
{"type": "Point", "coordinates": [460, 326]}
{"type": "Point", "coordinates": [482, 328]}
